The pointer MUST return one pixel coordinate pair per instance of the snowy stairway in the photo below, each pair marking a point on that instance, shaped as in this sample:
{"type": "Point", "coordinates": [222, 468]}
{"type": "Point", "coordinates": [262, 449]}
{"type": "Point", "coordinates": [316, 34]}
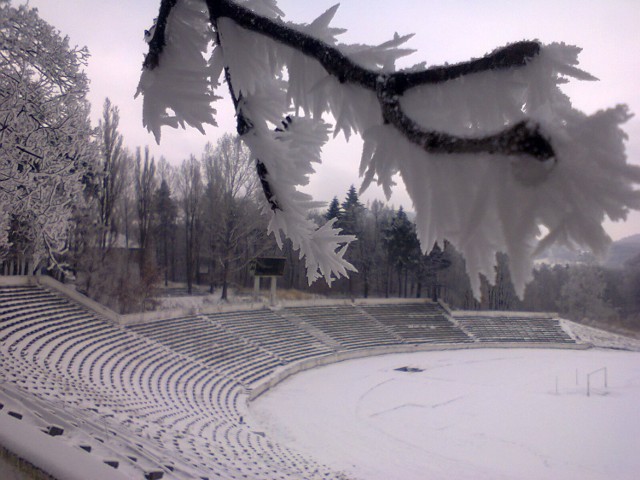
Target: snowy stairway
{"type": "Point", "coordinates": [418, 322]}
{"type": "Point", "coordinates": [510, 327]}
{"type": "Point", "coordinates": [311, 329]}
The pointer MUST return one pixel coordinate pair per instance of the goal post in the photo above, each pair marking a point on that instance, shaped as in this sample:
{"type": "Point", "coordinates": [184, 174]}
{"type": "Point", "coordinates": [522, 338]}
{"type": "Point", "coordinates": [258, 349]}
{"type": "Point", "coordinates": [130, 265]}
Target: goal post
{"type": "Point", "coordinates": [602, 370]}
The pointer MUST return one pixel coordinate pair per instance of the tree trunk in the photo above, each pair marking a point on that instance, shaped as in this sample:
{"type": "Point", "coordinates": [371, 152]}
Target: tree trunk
{"type": "Point", "coordinates": [212, 269]}
{"type": "Point", "coordinates": [407, 288]}
{"type": "Point", "coordinates": [166, 258]}
{"type": "Point", "coordinates": [365, 288]}
{"type": "Point", "coordinates": [387, 286]}
{"type": "Point", "coordinates": [189, 261]}
{"type": "Point", "coordinates": [225, 273]}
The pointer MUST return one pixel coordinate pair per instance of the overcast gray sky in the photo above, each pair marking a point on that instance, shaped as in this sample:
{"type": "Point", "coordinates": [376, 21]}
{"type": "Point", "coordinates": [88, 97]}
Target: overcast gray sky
{"type": "Point", "coordinates": [445, 31]}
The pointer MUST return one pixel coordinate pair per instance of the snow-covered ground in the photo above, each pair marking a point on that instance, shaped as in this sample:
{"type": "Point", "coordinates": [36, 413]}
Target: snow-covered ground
{"type": "Point", "coordinates": [470, 414]}
{"type": "Point", "coordinates": [599, 338]}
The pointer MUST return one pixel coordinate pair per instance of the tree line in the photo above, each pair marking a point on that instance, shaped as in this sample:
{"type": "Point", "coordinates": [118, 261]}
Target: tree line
{"type": "Point", "coordinates": [391, 263]}
{"type": "Point", "coordinates": [145, 222]}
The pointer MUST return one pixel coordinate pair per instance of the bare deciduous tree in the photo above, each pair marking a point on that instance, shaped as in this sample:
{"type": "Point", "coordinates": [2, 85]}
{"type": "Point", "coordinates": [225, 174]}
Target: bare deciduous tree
{"type": "Point", "coordinates": [191, 188]}
{"type": "Point", "coordinates": [111, 174]}
{"type": "Point", "coordinates": [231, 211]}
{"type": "Point", "coordinates": [145, 184]}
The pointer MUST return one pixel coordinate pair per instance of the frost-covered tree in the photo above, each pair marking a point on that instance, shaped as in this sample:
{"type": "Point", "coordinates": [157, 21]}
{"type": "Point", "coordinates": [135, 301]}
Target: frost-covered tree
{"type": "Point", "coordinates": [191, 188]}
{"type": "Point", "coordinates": [166, 211]}
{"type": "Point", "coordinates": [501, 294]}
{"type": "Point", "coordinates": [231, 188]}
{"type": "Point", "coordinates": [490, 150]}
{"type": "Point", "coordinates": [110, 179]}
{"type": "Point", "coordinates": [583, 295]}
{"type": "Point", "coordinates": [145, 185]}
{"type": "Point", "coordinates": [45, 133]}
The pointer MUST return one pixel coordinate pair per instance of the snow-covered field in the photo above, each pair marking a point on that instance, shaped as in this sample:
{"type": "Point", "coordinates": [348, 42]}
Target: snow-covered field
{"type": "Point", "coordinates": [470, 414]}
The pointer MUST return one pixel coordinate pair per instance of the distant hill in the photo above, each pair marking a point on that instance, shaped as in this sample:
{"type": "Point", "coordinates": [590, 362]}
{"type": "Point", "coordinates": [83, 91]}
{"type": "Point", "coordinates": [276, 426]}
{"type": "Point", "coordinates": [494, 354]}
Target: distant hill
{"type": "Point", "coordinates": [622, 251]}
{"type": "Point", "coordinates": [557, 254]}
{"type": "Point", "coordinates": [619, 253]}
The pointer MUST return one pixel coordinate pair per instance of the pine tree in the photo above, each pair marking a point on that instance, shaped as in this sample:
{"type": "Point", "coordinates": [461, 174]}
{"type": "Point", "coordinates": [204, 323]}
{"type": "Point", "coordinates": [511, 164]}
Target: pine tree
{"type": "Point", "coordinates": [403, 247]}
{"type": "Point", "coordinates": [351, 222]}
{"type": "Point", "coordinates": [543, 291]}
{"type": "Point", "coordinates": [429, 267]}
{"type": "Point", "coordinates": [455, 280]}
{"type": "Point", "coordinates": [502, 294]}
{"type": "Point", "coordinates": [352, 212]}
{"type": "Point", "coordinates": [334, 209]}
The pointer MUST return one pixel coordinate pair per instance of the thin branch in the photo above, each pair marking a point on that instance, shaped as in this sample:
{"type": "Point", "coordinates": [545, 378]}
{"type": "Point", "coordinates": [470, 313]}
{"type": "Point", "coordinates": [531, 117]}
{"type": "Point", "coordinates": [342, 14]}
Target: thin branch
{"type": "Point", "coordinates": [157, 42]}
{"type": "Point", "coordinates": [262, 172]}
{"type": "Point", "coordinates": [24, 150]}
{"type": "Point", "coordinates": [510, 56]}
{"type": "Point", "coordinates": [243, 126]}
{"type": "Point", "coordinates": [516, 140]}
{"type": "Point", "coordinates": [521, 138]}
{"type": "Point", "coordinates": [345, 70]}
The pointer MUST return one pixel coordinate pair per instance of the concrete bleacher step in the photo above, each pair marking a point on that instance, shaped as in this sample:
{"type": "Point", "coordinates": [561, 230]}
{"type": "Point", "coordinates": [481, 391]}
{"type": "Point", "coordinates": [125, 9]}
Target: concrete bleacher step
{"type": "Point", "coordinates": [317, 333]}
{"type": "Point", "coordinates": [420, 322]}
{"type": "Point", "coordinates": [507, 327]}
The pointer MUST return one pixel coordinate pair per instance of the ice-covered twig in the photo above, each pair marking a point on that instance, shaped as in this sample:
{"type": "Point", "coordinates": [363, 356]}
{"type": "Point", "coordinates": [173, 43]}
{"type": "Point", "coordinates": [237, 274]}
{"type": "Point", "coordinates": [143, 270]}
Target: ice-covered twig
{"type": "Point", "coordinates": [516, 140]}
{"type": "Point", "coordinates": [157, 40]}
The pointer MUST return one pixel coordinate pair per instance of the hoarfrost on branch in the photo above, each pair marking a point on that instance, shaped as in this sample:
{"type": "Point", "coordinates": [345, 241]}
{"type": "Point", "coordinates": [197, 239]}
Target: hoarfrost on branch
{"type": "Point", "coordinates": [490, 150]}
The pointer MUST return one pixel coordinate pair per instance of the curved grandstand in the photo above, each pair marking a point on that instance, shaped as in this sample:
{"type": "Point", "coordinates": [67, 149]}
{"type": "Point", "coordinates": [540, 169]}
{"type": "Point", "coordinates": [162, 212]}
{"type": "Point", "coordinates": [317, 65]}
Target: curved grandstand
{"type": "Point", "coordinates": [168, 398]}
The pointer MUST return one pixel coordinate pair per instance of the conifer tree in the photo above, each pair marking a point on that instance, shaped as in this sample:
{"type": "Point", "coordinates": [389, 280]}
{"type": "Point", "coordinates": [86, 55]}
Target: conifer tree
{"type": "Point", "coordinates": [501, 295]}
{"type": "Point", "coordinates": [334, 210]}
{"type": "Point", "coordinates": [403, 247]}
{"type": "Point", "coordinates": [352, 212]}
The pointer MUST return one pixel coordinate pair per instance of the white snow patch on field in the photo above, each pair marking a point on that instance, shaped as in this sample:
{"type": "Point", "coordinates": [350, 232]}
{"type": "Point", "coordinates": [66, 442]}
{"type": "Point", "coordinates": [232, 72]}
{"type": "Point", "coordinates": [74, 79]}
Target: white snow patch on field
{"type": "Point", "coordinates": [470, 414]}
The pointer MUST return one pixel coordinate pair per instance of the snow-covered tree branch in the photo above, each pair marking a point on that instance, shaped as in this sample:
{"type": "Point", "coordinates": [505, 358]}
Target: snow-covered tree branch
{"type": "Point", "coordinates": [490, 150]}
